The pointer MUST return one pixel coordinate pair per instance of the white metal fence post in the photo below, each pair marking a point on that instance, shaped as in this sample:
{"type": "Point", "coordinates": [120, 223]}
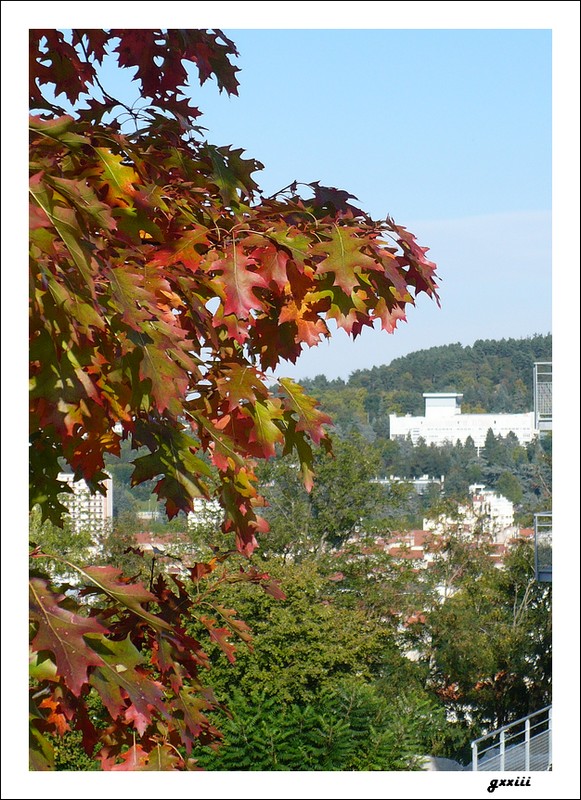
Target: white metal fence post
{"type": "Point", "coordinates": [550, 737]}
{"type": "Point", "coordinates": [491, 749]}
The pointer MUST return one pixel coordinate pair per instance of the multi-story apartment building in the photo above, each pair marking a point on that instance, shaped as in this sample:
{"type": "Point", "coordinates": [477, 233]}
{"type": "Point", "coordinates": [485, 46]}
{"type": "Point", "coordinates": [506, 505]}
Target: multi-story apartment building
{"type": "Point", "coordinates": [88, 512]}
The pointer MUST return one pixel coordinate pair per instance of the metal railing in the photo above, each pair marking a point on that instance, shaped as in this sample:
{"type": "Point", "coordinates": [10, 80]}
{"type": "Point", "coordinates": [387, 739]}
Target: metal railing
{"type": "Point", "coordinates": [544, 547]}
{"type": "Point", "coordinates": [522, 746]}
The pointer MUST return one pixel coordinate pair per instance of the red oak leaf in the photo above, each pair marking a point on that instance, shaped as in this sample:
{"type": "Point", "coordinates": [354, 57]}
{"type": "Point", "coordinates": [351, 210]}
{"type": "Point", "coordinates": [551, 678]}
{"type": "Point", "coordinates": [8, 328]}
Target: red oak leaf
{"type": "Point", "coordinates": [62, 632]}
{"type": "Point", "coordinates": [344, 257]}
{"type": "Point", "coordinates": [304, 408]}
{"type": "Point", "coordinates": [236, 282]}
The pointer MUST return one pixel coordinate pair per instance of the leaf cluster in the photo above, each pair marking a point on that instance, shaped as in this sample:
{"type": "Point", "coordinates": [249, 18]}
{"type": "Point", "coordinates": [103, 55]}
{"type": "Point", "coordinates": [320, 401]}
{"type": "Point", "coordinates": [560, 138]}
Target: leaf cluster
{"type": "Point", "coordinates": [163, 285]}
{"type": "Point", "coordinates": [129, 645]}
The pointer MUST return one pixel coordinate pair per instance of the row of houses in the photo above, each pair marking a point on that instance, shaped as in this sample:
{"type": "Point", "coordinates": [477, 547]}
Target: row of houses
{"type": "Point", "coordinates": [488, 512]}
{"type": "Point", "coordinates": [422, 546]}
{"type": "Point", "coordinates": [443, 421]}
{"type": "Point", "coordinates": [488, 516]}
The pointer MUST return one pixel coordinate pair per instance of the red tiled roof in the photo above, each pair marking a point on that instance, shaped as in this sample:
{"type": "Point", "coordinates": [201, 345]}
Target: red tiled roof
{"type": "Point", "coordinates": [402, 552]}
{"type": "Point", "coordinates": [420, 537]}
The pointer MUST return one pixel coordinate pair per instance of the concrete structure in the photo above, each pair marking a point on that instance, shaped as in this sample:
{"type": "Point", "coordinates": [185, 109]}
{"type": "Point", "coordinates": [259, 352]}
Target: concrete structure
{"type": "Point", "coordinates": [151, 516]}
{"type": "Point", "coordinates": [544, 546]}
{"type": "Point", "coordinates": [543, 396]}
{"type": "Point", "coordinates": [88, 512]}
{"type": "Point", "coordinates": [443, 422]}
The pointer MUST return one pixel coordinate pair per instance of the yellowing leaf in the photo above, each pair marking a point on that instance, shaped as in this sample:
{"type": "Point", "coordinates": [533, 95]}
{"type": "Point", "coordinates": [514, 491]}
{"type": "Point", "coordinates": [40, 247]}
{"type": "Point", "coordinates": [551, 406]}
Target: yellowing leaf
{"type": "Point", "coordinates": [118, 177]}
{"type": "Point", "coordinates": [304, 408]}
{"type": "Point", "coordinates": [344, 257]}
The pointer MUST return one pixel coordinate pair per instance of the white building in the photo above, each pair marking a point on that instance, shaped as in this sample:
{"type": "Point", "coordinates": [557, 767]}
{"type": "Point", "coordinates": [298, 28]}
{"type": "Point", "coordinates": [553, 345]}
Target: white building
{"type": "Point", "coordinates": [443, 422]}
{"type": "Point", "coordinates": [489, 512]}
{"type": "Point", "coordinates": [88, 512]}
{"type": "Point", "coordinates": [496, 510]}
{"type": "Point", "coordinates": [206, 513]}
{"type": "Point", "coordinates": [421, 484]}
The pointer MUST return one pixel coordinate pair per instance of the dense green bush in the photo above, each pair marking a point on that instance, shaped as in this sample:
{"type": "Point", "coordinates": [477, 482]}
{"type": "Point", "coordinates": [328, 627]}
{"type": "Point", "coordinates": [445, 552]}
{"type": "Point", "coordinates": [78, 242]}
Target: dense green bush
{"type": "Point", "coordinates": [352, 726]}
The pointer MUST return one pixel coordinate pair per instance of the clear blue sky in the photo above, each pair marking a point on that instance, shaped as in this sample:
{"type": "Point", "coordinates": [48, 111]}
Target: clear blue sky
{"type": "Point", "coordinates": [447, 131]}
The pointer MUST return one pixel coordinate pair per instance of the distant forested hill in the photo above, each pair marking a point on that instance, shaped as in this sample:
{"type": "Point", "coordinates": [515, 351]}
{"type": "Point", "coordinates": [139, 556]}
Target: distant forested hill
{"type": "Point", "coordinates": [495, 376]}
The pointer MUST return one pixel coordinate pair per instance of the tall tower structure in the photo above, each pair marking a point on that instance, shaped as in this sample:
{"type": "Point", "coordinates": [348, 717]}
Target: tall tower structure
{"type": "Point", "coordinates": [543, 396]}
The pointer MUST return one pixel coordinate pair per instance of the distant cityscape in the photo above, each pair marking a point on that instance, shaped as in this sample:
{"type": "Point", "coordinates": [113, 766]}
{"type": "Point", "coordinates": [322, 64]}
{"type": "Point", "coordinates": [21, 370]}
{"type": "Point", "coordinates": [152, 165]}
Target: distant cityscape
{"type": "Point", "coordinates": [485, 518]}
{"type": "Point", "coordinates": [488, 512]}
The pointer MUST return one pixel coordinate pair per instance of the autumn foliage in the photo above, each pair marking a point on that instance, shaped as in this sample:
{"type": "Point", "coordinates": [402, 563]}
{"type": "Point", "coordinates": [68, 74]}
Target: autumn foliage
{"type": "Point", "coordinates": [163, 287]}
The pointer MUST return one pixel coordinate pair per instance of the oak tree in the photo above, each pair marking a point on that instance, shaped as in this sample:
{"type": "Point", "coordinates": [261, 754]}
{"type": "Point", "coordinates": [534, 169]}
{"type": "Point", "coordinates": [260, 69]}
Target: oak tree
{"type": "Point", "coordinates": [163, 286]}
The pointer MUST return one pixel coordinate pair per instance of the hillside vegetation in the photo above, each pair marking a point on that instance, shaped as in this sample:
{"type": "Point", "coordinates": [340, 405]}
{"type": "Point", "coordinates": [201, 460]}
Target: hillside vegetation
{"type": "Point", "coordinates": [495, 376]}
